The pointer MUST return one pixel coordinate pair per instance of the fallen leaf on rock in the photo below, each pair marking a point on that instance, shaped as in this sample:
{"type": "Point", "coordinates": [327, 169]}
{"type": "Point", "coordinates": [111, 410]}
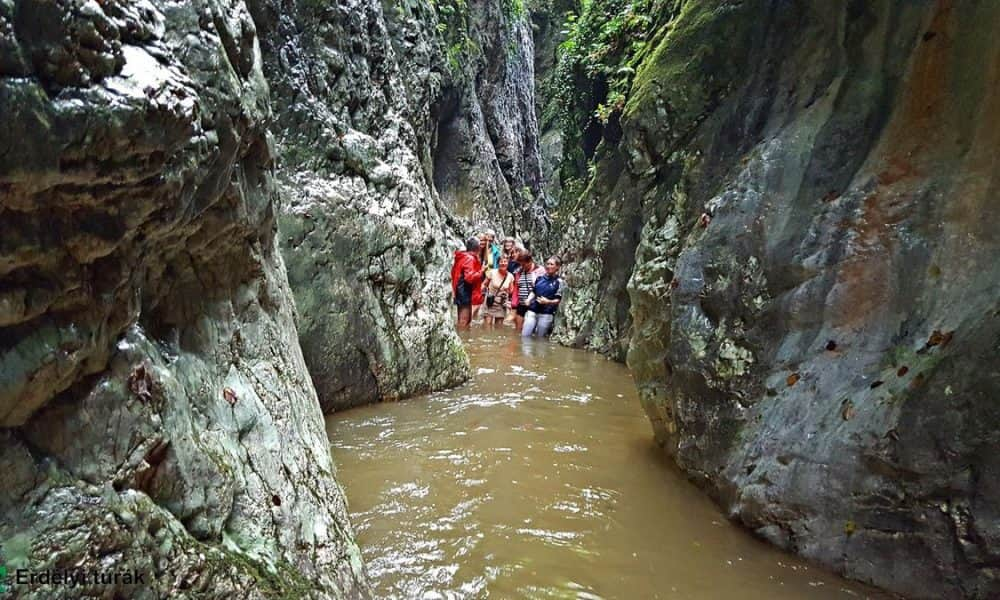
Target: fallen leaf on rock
{"type": "Point", "coordinates": [892, 434]}
{"type": "Point", "coordinates": [144, 476]}
{"type": "Point", "coordinates": [793, 379]}
{"type": "Point", "coordinates": [847, 409]}
{"type": "Point", "coordinates": [230, 396]}
{"type": "Point", "coordinates": [831, 345]}
{"type": "Point", "coordinates": [704, 220]}
{"type": "Point", "coordinates": [939, 339]}
{"type": "Point", "coordinates": [902, 371]}
{"type": "Point", "coordinates": [876, 384]}
{"type": "Point", "coordinates": [850, 527]}
{"type": "Point", "coordinates": [140, 382]}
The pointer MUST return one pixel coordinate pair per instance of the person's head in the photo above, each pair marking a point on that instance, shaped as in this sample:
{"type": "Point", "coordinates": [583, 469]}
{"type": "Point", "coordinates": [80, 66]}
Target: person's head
{"type": "Point", "coordinates": [502, 268]}
{"type": "Point", "coordinates": [508, 245]}
{"type": "Point", "coordinates": [490, 235]}
{"type": "Point", "coordinates": [525, 258]}
{"type": "Point", "coordinates": [552, 265]}
{"type": "Point", "coordinates": [472, 244]}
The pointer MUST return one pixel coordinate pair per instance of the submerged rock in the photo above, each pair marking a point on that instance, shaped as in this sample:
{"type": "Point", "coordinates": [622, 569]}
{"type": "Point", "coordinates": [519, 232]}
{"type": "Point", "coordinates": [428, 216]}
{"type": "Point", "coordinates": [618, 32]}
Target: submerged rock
{"type": "Point", "coordinates": [157, 414]}
{"type": "Point", "coordinates": [795, 245]}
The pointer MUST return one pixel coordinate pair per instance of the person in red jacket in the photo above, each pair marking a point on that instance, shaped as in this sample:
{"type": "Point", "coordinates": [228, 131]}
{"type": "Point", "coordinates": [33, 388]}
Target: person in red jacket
{"type": "Point", "coordinates": [467, 281]}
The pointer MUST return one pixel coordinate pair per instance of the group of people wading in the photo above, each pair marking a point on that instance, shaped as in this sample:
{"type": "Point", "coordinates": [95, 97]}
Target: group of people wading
{"type": "Point", "coordinates": [503, 285]}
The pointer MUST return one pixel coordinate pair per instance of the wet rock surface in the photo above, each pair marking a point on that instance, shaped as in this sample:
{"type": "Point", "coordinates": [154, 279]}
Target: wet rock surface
{"type": "Point", "coordinates": [806, 218]}
{"type": "Point", "coordinates": [401, 129]}
{"type": "Point", "coordinates": [791, 238]}
{"type": "Point", "coordinates": [468, 72]}
{"type": "Point", "coordinates": [364, 236]}
{"type": "Point", "coordinates": [157, 413]}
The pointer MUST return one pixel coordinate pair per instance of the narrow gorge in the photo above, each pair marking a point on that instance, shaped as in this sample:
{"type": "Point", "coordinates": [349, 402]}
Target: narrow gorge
{"type": "Point", "coordinates": [221, 220]}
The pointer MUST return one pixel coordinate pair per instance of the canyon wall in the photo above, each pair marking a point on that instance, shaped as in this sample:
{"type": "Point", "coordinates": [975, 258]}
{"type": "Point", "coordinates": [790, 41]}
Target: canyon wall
{"type": "Point", "coordinates": [156, 411]}
{"type": "Point", "coordinates": [365, 238]}
{"type": "Point", "coordinates": [401, 129]}
{"type": "Point", "coordinates": [790, 230]}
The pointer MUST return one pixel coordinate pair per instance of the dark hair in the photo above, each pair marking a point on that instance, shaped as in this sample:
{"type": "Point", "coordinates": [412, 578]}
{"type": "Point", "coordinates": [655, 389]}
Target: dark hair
{"type": "Point", "coordinates": [557, 259]}
{"type": "Point", "coordinates": [524, 256]}
{"type": "Point", "coordinates": [472, 244]}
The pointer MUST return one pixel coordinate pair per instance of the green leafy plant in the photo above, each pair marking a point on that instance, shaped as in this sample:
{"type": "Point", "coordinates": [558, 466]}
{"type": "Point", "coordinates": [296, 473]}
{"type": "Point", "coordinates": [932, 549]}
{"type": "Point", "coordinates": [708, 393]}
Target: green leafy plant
{"type": "Point", "coordinates": [604, 43]}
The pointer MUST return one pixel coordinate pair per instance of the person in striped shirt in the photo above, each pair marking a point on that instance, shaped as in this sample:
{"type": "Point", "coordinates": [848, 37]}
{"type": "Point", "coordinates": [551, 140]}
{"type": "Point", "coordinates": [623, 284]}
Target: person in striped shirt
{"type": "Point", "coordinates": [525, 282]}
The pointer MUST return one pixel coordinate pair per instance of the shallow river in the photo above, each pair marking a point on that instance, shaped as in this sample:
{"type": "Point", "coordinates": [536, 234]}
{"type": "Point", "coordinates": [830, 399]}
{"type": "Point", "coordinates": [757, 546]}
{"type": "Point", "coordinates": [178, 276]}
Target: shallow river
{"type": "Point", "coordinates": [540, 479]}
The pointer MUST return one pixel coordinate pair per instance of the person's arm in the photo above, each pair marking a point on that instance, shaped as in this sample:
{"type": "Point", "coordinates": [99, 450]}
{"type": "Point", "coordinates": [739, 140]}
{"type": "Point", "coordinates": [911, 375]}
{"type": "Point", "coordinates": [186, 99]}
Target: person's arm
{"type": "Point", "coordinates": [557, 297]}
{"type": "Point", "coordinates": [472, 276]}
{"type": "Point", "coordinates": [532, 297]}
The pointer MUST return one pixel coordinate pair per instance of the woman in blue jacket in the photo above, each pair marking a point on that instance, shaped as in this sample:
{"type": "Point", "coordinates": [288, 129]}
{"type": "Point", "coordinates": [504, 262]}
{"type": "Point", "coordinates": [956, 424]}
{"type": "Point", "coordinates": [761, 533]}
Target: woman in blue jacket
{"type": "Point", "coordinates": [543, 302]}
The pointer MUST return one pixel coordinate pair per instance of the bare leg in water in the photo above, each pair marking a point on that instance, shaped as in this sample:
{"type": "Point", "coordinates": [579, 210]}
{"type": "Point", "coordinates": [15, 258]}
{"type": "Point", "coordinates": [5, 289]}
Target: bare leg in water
{"type": "Point", "coordinates": [464, 316]}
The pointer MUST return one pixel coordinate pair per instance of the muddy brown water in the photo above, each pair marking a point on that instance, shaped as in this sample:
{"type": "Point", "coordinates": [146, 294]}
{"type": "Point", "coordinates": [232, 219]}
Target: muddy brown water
{"type": "Point", "coordinates": [540, 479]}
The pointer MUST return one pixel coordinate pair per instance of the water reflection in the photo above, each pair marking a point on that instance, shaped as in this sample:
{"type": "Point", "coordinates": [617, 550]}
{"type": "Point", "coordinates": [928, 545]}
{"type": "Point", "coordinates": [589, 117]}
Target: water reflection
{"type": "Point", "coordinates": [539, 479]}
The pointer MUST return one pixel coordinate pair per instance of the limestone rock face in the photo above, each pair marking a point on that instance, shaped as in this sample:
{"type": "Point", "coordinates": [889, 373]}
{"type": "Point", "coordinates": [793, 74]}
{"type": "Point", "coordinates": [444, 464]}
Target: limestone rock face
{"type": "Point", "coordinates": [394, 145]}
{"type": "Point", "coordinates": [157, 413]}
{"type": "Point", "coordinates": [365, 238]}
{"type": "Point", "coordinates": [807, 217]}
{"type": "Point", "coordinates": [468, 72]}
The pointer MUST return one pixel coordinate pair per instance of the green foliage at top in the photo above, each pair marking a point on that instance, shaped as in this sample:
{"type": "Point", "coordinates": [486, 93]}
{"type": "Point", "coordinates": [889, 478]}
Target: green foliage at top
{"type": "Point", "coordinates": [603, 45]}
{"type": "Point", "coordinates": [605, 42]}
{"type": "Point", "coordinates": [513, 9]}
{"type": "Point", "coordinates": [453, 27]}
{"type": "Point", "coordinates": [689, 57]}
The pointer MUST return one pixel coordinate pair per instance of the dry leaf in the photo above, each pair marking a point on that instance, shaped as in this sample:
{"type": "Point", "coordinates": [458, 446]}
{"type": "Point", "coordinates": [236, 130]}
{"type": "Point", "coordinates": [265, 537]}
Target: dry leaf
{"type": "Point", "coordinates": [793, 379]}
{"type": "Point", "coordinates": [140, 382]}
{"type": "Point", "coordinates": [939, 339]}
{"type": "Point", "coordinates": [847, 410]}
{"type": "Point", "coordinates": [230, 396]}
